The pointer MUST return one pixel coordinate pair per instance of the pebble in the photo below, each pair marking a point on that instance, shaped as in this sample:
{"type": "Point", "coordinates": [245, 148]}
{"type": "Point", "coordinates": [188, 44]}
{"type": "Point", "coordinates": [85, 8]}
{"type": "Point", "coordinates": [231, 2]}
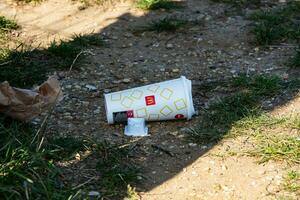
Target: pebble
{"type": "Point", "coordinates": [77, 87]}
{"type": "Point", "coordinates": [192, 144]}
{"type": "Point", "coordinates": [126, 80]}
{"type": "Point", "coordinates": [116, 81]}
{"type": "Point", "coordinates": [91, 87]}
{"type": "Point", "coordinates": [176, 70]}
{"type": "Point", "coordinates": [170, 46]}
{"type": "Point", "coordinates": [85, 103]}
{"type": "Point", "coordinates": [93, 194]}
{"type": "Point", "coordinates": [208, 17]}
{"type": "Point", "coordinates": [69, 117]}
{"type": "Point", "coordinates": [107, 90]}
{"type": "Point", "coordinates": [68, 86]}
{"type": "Point", "coordinates": [233, 71]}
{"type": "Point", "coordinates": [97, 111]}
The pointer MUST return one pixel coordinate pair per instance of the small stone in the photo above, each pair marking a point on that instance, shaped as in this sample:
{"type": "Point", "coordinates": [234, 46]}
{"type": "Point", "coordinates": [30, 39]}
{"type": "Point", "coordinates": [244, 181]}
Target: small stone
{"type": "Point", "coordinates": [285, 76]}
{"type": "Point", "coordinates": [107, 90]}
{"type": "Point", "coordinates": [91, 87]}
{"type": "Point", "coordinates": [93, 194]}
{"type": "Point", "coordinates": [97, 111]}
{"type": "Point", "coordinates": [208, 17]}
{"type": "Point", "coordinates": [176, 70]}
{"type": "Point", "coordinates": [128, 35]}
{"type": "Point", "coordinates": [192, 144]}
{"type": "Point", "coordinates": [68, 86]}
{"type": "Point", "coordinates": [69, 117]}
{"type": "Point", "coordinates": [233, 71]}
{"type": "Point", "coordinates": [116, 81]}
{"type": "Point", "coordinates": [170, 46]}
{"type": "Point", "coordinates": [126, 80]}
{"type": "Point", "coordinates": [200, 17]}
{"type": "Point", "coordinates": [77, 156]}
{"type": "Point", "coordinates": [85, 103]}
{"type": "Point", "coordinates": [77, 87]}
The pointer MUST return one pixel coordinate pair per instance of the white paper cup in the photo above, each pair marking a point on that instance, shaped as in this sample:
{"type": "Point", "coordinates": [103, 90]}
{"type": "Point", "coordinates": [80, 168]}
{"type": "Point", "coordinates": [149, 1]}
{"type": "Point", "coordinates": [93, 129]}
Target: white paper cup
{"type": "Point", "coordinates": [168, 100]}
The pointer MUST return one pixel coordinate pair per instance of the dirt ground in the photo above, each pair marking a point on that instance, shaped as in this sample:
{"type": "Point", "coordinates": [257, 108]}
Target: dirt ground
{"type": "Point", "coordinates": [216, 47]}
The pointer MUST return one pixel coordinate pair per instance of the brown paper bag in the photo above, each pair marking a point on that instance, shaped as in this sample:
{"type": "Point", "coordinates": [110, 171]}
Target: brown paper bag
{"type": "Point", "coordinates": [25, 104]}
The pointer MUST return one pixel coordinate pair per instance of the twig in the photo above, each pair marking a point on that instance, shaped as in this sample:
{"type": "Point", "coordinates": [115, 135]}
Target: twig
{"type": "Point", "coordinates": [82, 184]}
{"type": "Point", "coordinates": [163, 150]}
{"type": "Point", "coordinates": [77, 56]}
{"type": "Point", "coordinates": [5, 63]}
{"type": "Point", "coordinates": [50, 111]}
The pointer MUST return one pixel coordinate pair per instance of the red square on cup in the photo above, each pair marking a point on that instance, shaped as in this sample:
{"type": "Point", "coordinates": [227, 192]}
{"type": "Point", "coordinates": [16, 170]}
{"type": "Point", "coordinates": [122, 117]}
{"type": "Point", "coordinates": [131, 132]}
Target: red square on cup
{"type": "Point", "coordinates": [130, 114]}
{"type": "Point", "coordinates": [150, 100]}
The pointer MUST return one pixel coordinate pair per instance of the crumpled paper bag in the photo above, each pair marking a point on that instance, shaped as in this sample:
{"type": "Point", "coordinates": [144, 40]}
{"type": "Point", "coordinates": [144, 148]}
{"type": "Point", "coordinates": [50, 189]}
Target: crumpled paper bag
{"type": "Point", "coordinates": [26, 104]}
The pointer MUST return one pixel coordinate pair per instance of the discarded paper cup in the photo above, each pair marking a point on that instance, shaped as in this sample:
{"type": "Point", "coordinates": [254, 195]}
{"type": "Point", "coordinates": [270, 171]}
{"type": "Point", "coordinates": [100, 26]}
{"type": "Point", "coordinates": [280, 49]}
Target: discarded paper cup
{"type": "Point", "coordinates": [167, 100]}
{"type": "Point", "coordinates": [136, 127]}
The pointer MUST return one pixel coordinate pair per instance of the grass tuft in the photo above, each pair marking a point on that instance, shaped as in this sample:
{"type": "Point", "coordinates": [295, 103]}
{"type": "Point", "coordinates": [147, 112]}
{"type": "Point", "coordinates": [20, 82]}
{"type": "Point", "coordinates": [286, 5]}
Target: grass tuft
{"type": "Point", "coordinates": [7, 24]}
{"type": "Point", "coordinates": [234, 114]}
{"type": "Point", "coordinates": [158, 4]}
{"type": "Point", "coordinates": [281, 148]}
{"type": "Point", "coordinates": [87, 40]}
{"type": "Point", "coordinates": [26, 66]}
{"type": "Point", "coordinates": [167, 24]}
{"type": "Point", "coordinates": [292, 182]}
{"type": "Point", "coordinates": [22, 67]}
{"type": "Point", "coordinates": [67, 51]}
{"type": "Point", "coordinates": [259, 85]}
{"type": "Point", "coordinates": [25, 171]}
{"type": "Point", "coordinates": [277, 25]}
{"type": "Point", "coordinates": [116, 168]}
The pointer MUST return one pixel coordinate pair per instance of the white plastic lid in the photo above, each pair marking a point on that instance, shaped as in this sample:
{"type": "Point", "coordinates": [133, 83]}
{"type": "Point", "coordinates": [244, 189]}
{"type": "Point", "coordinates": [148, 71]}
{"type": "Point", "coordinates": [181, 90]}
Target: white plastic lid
{"type": "Point", "coordinates": [136, 127]}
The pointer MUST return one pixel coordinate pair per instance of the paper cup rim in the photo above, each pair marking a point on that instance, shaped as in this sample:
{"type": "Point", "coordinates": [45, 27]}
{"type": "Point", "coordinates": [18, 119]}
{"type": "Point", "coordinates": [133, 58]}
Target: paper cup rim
{"type": "Point", "coordinates": [109, 116]}
{"type": "Point", "coordinates": [188, 93]}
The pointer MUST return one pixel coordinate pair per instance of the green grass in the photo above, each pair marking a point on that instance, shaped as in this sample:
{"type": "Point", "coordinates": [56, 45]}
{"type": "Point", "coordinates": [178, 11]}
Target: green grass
{"type": "Point", "coordinates": [24, 171]}
{"type": "Point", "coordinates": [275, 147]}
{"type": "Point", "coordinates": [116, 168]}
{"type": "Point", "coordinates": [292, 182]}
{"type": "Point", "coordinates": [227, 117]}
{"type": "Point", "coordinates": [167, 24]}
{"type": "Point", "coordinates": [26, 66]}
{"type": "Point", "coordinates": [241, 114]}
{"type": "Point", "coordinates": [158, 4]}
{"type": "Point", "coordinates": [29, 170]}
{"type": "Point", "coordinates": [277, 25]}
{"type": "Point", "coordinates": [22, 67]}
{"type": "Point", "coordinates": [7, 24]}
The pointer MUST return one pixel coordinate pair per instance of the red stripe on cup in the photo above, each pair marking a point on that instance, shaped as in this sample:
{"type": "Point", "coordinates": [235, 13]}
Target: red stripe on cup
{"type": "Point", "coordinates": [179, 116]}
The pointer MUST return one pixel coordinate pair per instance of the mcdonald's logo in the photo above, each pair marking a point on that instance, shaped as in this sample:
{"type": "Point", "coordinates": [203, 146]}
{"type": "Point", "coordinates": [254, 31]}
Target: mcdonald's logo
{"type": "Point", "coordinates": [150, 100]}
